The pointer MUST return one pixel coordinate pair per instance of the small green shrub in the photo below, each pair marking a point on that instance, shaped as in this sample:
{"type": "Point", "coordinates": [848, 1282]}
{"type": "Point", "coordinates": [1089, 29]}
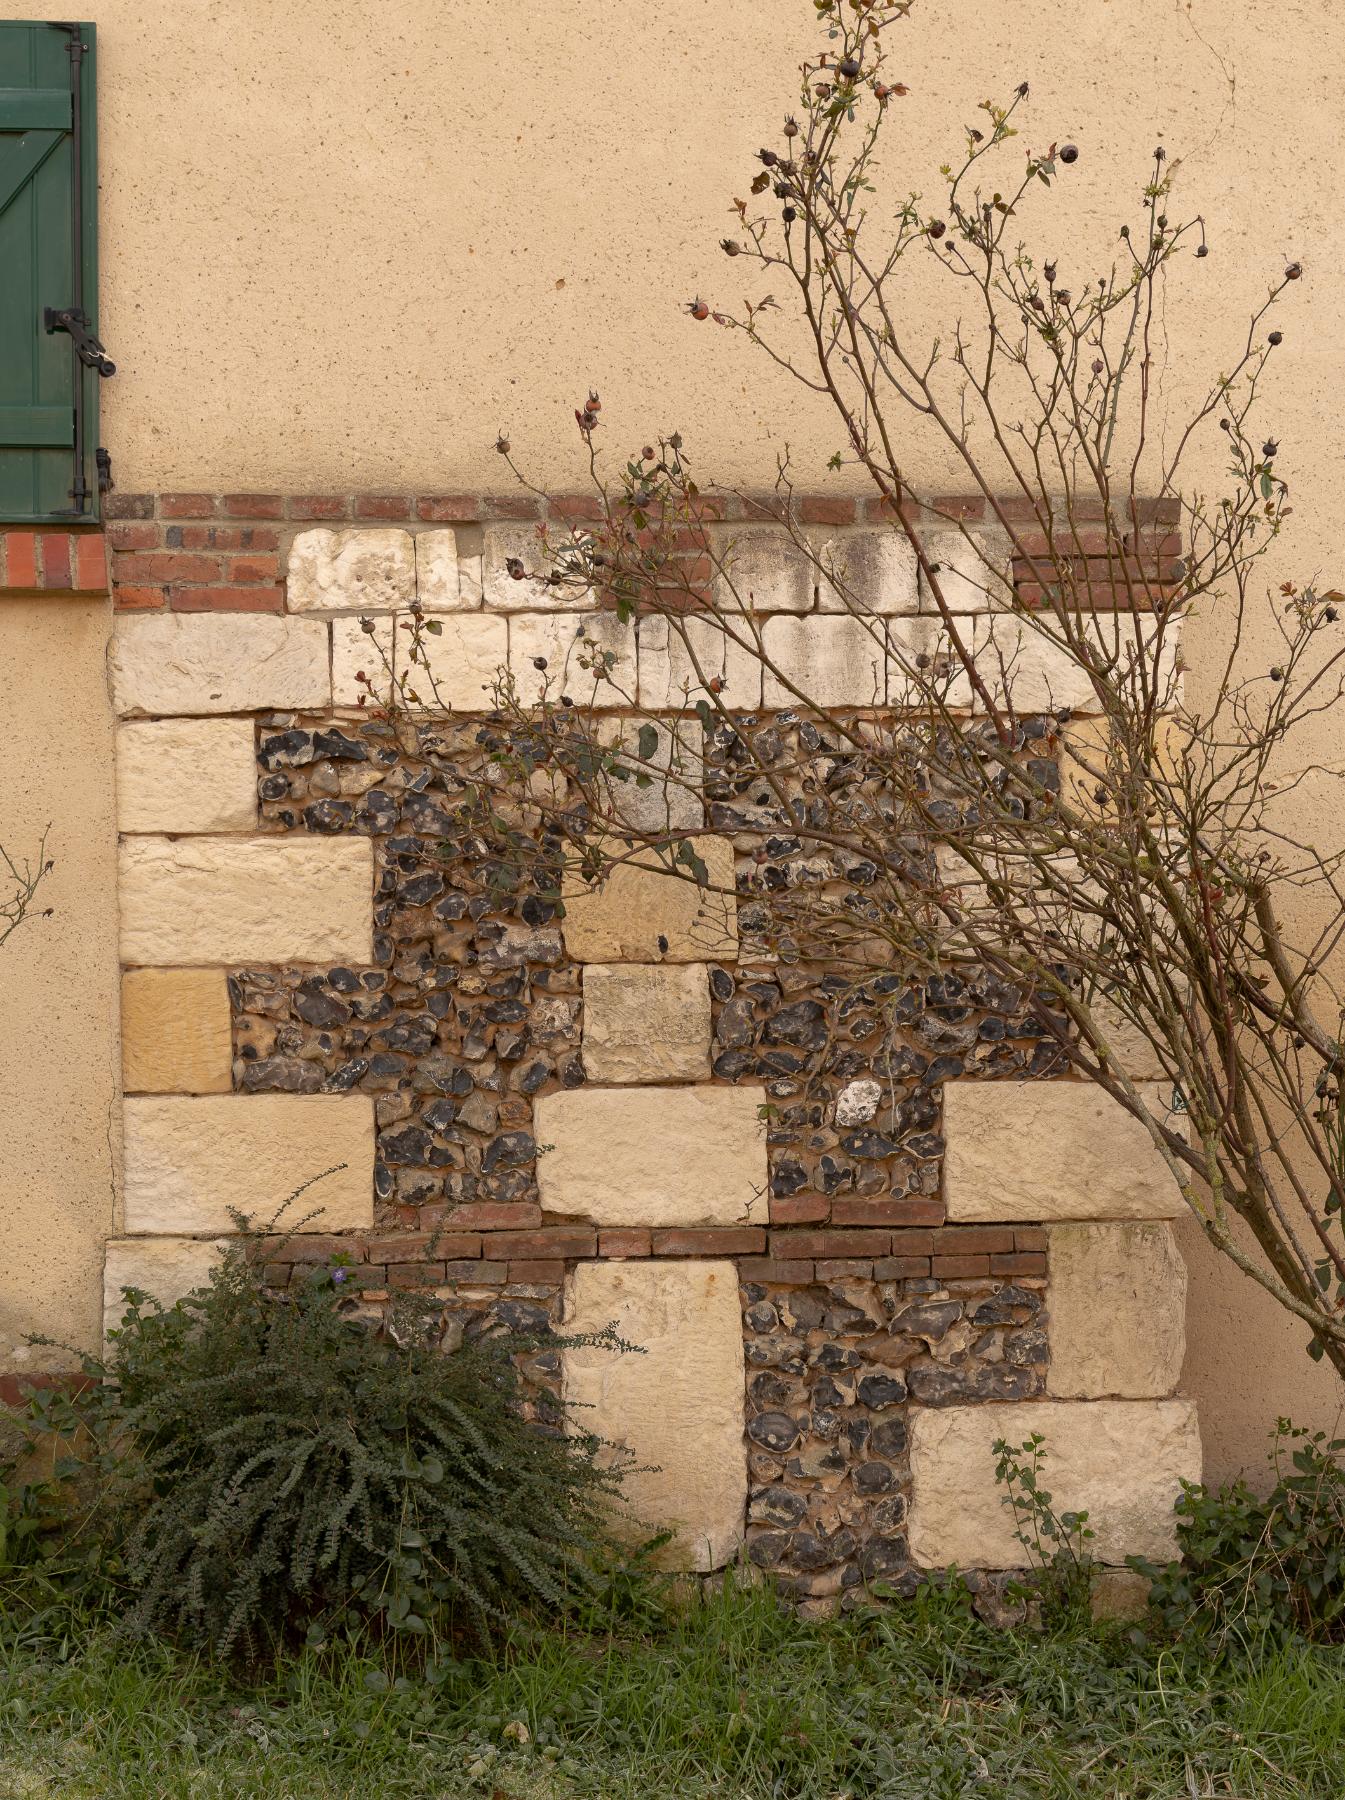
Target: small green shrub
{"type": "Point", "coordinates": [266, 1462]}
{"type": "Point", "coordinates": [1055, 1544]}
{"type": "Point", "coordinates": [1252, 1565]}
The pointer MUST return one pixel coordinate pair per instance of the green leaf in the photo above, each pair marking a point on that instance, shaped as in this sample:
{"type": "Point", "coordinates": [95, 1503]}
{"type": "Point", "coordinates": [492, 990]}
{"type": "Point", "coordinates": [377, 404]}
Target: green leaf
{"type": "Point", "coordinates": [647, 742]}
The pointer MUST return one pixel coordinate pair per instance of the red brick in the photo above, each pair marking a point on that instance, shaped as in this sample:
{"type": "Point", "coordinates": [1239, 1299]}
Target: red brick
{"type": "Point", "coordinates": [252, 568]}
{"type": "Point", "coordinates": [1029, 1237]}
{"type": "Point", "coordinates": [165, 565]}
{"type": "Point", "coordinates": [624, 1242]}
{"type": "Point", "coordinates": [91, 562]}
{"type": "Point", "coordinates": [416, 1274]}
{"type": "Point", "coordinates": [132, 534]}
{"type": "Point", "coordinates": [724, 1240]}
{"type": "Point", "coordinates": [138, 599]}
{"type": "Point", "coordinates": [477, 1273]}
{"type": "Point", "coordinates": [973, 1240]}
{"type": "Point", "coordinates": [20, 559]}
{"type": "Point", "coordinates": [188, 506]}
{"type": "Point", "coordinates": [800, 1209]}
{"type": "Point", "coordinates": [900, 1268]}
{"type": "Point", "coordinates": [561, 1241]}
{"type": "Point", "coordinates": [497, 1215]}
{"type": "Point", "coordinates": [534, 1274]}
{"type": "Point", "coordinates": [319, 506]}
{"type": "Point", "coordinates": [829, 1243]}
{"type": "Point", "coordinates": [443, 509]}
{"type": "Point", "coordinates": [575, 506]}
{"type": "Point", "coordinates": [823, 509]}
{"type": "Point", "coordinates": [887, 1210]}
{"type": "Point", "coordinates": [843, 1268]}
{"type": "Point", "coordinates": [55, 548]}
{"type": "Point", "coordinates": [958, 506]}
{"type": "Point", "coordinates": [224, 537]}
{"type": "Point", "coordinates": [128, 506]}
{"type": "Point", "coordinates": [15, 1389]}
{"type": "Point", "coordinates": [912, 1243]}
{"type": "Point", "coordinates": [406, 1246]}
{"type": "Point", "coordinates": [511, 506]}
{"type": "Point", "coordinates": [1020, 1262]}
{"type": "Point", "coordinates": [254, 506]}
{"type": "Point", "coordinates": [770, 1268]}
{"type": "Point", "coordinates": [382, 506]}
{"type": "Point", "coordinates": [960, 1268]}
{"type": "Point", "coordinates": [228, 599]}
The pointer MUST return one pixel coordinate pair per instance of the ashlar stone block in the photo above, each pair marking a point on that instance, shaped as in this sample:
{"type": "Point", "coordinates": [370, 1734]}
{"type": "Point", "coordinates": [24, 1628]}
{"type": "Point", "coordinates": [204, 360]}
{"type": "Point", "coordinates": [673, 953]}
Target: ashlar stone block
{"type": "Point", "coordinates": [439, 585]}
{"type": "Point", "coordinates": [179, 663]}
{"type": "Point", "coordinates": [641, 913]}
{"type": "Point", "coordinates": [360, 569]}
{"type": "Point", "coordinates": [667, 752]}
{"type": "Point", "coordinates": [575, 649]}
{"type": "Point", "coordinates": [763, 570]}
{"type": "Point", "coordinates": [167, 1267]}
{"type": "Point", "coordinates": [679, 658]}
{"type": "Point", "coordinates": [646, 1023]}
{"type": "Point", "coordinates": [831, 661]}
{"type": "Point", "coordinates": [176, 1036]}
{"type": "Point", "coordinates": [1019, 662]}
{"type": "Point", "coordinates": [1047, 1150]}
{"type": "Point", "coordinates": [1121, 1460]}
{"type": "Point", "coordinates": [1117, 1300]}
{"type": "Point", "coordinates": [503, 592]}
{"type": "Point", "coordinates": [189, 1159]}
{"type": "Point", "coordinates": [870, 572]}
{"type": "Point", "coordinates": [187, 775]}
{"type": "Point", "coordinates": [194, 901]}
{"type": "Point", "coordinates": [371, 654]}
{"type": "Point", "coordinates": [653, 1155]}
{"type": "Point", "coordinates": [462, 662]}
{"type": "Point", "coordinates": [677, 1408]}
{"type": "Point", "coordinates": [973, 571]}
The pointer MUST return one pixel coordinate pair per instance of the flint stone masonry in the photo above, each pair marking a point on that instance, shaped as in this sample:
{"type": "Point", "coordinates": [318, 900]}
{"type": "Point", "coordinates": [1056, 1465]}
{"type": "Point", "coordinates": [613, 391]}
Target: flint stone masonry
{"type": "Point", "coordinates": [439, 586]}
{"type": "Point", "coordinates": [502, 544]}
{"type": "Point", "coordinates": [653, 1155]}
{"type": "Point", "coordinates": [1118, 1311]}
{"type": "Point", "coordinates": [764, 570]}
{"type": "Point", "coordinates": [188, 1160]}
{"type": "Point", "coordinates": [678, 1407]}
{"type": "Point", "coordinates": [178, 663]}
{"type": "Point", "coordinates": [218, 900]}
{"type": "Point", "coordinates": [678, 659]}
{"type": "Point", "coordinates": [1122, 1460]}
{"type": "Point", "coordinates": [872, 572]}
{"type": "Point", "coordinates": [574, 648]}
{"type": "Point", "coordinates": [641, 914]}
{"type": "Point", "coordinates": [466, 658]}
{"type": "Point", "coordinates": [186, 775]}
{"type": "Point", "coordinates": [1046, 1150]}
{"type": "Point", "coordinates": [360, 570]}
{"type": "Point", "coordinates": [167, 1267]}
{"type": "Point", "coordinates": [176, 1036]}
{"type": "Point", "coordinates": [646, 1024]}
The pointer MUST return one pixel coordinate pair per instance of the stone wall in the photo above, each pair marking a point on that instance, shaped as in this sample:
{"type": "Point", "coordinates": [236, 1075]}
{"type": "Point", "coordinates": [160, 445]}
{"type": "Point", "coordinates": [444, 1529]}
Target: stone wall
{"type": "Point", "coordinates": [862, 1229]}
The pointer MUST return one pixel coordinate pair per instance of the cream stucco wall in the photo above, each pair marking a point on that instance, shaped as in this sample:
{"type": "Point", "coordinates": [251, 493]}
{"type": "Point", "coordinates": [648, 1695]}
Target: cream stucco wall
{"type": "Point", "coordinates": [342, 250]}
{"type": "Point", "coordinates": [59, 1059]}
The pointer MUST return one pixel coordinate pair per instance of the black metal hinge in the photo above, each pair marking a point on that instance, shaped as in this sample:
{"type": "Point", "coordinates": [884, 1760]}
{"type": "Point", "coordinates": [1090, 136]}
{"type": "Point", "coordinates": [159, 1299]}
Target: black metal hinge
{"type": "Point", "coordinates": [87, 347]}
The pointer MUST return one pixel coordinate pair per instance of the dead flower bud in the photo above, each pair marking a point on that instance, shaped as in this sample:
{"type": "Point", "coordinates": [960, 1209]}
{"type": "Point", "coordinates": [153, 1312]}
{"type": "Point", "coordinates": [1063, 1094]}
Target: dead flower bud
{"type": "Point", "coordinates": [594, 404]}
{"type": "Point", "coordinates": [1293, 272]}
{"type": "Point", "coordinates": [1069, 153]}
{"type": "Point", "coordinates": [730, 248]}
{"type": "Point", "coordinates": [647, 454]}
{"type": "Point", "coordinates": [1270, 448]}
{"type": "Point", "coordinates": [936, 228]}
{"type": "Point", "coordinates": [791, 126]}
{"type": "Point", "coordinates": [698, 309]}
{"type": "Point", "coordinates": [502, 445]}
{"type": "Point", "coordinates": [1276, 337]}
{"type": "Point", "coordinates": [514, 568]}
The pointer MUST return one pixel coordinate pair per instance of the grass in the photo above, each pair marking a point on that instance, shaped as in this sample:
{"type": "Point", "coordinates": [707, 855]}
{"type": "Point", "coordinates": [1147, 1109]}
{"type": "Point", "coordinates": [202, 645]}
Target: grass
{"type": "Point", "coordinates": [736, 1698]}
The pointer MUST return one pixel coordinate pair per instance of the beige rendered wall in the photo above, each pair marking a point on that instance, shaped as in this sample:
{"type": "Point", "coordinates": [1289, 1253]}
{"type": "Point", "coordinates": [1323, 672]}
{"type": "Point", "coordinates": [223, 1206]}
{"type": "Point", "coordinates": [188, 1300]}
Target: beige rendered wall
{"type": "Point", "coordinates": [58, 975]}
{"type": "Point", "coordinates": [344, 250]}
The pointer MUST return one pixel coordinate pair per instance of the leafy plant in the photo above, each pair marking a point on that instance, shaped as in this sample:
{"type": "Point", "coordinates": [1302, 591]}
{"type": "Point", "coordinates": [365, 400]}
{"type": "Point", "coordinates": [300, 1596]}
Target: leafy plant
{"type": "Point", "coordinates": [277, 1460]}
{"type": "Point", "coordinates": [1056, 1543]}
{"type": "Point", "coordinates": [1254, 1564]}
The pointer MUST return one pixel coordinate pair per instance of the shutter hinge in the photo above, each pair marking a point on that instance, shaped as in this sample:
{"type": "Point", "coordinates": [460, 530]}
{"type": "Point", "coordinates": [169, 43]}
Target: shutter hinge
{"type": "Point", "coordinates": [87, 347]}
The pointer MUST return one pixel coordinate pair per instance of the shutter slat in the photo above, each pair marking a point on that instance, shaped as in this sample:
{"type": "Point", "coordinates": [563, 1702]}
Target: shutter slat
{"type": "Point", "coordinates": [37, 426]}
{"type": "Point", "coordinates": [44, 109]}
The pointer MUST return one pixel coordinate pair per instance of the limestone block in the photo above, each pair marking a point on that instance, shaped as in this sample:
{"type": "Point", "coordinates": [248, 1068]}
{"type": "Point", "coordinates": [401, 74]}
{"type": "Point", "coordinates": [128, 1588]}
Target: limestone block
{"type": "Point", "coordinates": [923, 662]}
{"type": "Point", "coordinates": [173, 663]}
{"type": "Point", "coordinates": [677, 1408]}
{"type": "Point", "coordinates": [832, 661]}
{"type": "Point", "coordinates": [1028, 1150]}
{"type": "Point", "coordinates": [974, 571]}
{"type": "Point", "coordinates": [188, 1159]}
{"type": "Point", "coordinates": [238, 900]}
{"type": "Point", "coordinates": [763, 570]}
{"type": "Point", "coordinates": [1117, 1323]}
{"type": "Point", "coordinates": [1129, 1045]}
{"type": "Point", "coordinates": [653, 1156]}
{"type": "Point", "coordinates": [356, 652]}
{"type": "Point", "coordinates": [678, 659]}
{"type": "Point", "coordinates": [522, 543]}
{"type": "Point", "coordinates": [642, 914]}
{"type": "Point", "coordinates": [358, 569]}
{"type": "Point", "coordinates": [167, 1267]}
{"type": "Point", "coordinates": [1017, 661]}
{"type": "Point", "coordinates": [1122, 1460]}
{"type": "Point", "coordinates": [871, 572]}
{"type": "Point", "coordinates": [176, 1036]}
{"type": "Point", "coordinates": [439, 587]}
{"type": "Point", "coordinates": [646, 1023]}
{"type": "Point", "coordinates": [463, 662]}
{"type": "Point", "coordinates": [675, 766]}
{"type": "Point", "coordinates": [575, 648]}
{"type": "Point", "coordinates": [190, 775]}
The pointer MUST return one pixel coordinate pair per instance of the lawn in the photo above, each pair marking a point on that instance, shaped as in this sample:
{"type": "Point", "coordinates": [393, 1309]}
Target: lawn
{"type": "Point", "coordinates": [735, 1698]}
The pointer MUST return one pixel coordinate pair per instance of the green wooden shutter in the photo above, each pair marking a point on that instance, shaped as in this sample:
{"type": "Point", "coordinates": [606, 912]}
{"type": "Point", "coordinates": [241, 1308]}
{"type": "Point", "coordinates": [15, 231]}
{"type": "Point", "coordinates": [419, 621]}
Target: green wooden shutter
{"type": "Point", "coordinates": [49, 259]}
